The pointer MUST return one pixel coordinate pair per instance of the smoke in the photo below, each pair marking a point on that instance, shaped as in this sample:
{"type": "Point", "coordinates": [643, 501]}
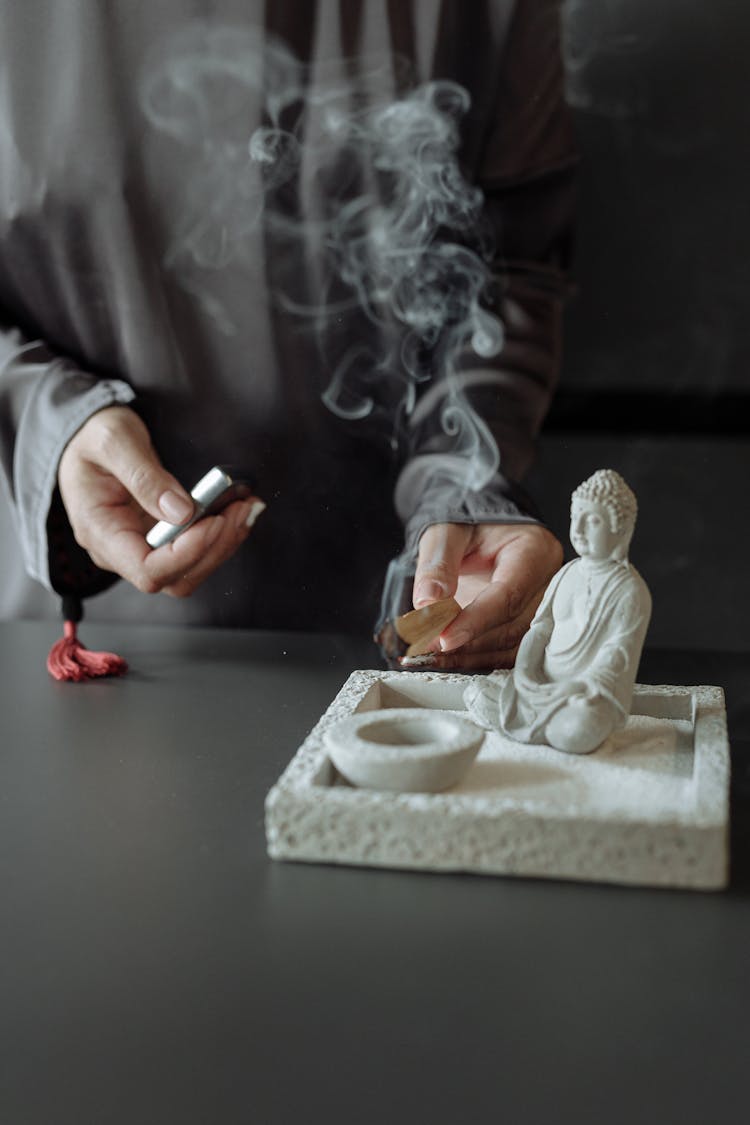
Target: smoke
{"type": "Point", "coordinates": [390, 231]}
{"type": "Point", "coordinates": [649, 69]}
{"type": "Point", "coordinates": [203, 90]}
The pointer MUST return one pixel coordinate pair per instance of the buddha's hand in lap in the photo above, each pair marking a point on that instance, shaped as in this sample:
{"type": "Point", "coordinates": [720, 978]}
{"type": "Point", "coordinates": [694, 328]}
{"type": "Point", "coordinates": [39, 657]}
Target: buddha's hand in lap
{"type": "Point", "coordinates": [583, 695]}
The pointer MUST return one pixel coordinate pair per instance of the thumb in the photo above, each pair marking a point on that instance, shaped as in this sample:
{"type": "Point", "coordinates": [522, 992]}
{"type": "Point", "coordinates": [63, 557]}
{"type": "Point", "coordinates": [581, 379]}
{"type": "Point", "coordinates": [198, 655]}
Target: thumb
{"type": "Point", "coordinates": [442, 548]}
{"type": "Point", "coordinates": [120, 444]}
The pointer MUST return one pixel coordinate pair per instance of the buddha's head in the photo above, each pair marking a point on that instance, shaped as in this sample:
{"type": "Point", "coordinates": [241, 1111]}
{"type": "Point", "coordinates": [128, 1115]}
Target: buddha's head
{"type": "Point", "coordinates": [602, 517]}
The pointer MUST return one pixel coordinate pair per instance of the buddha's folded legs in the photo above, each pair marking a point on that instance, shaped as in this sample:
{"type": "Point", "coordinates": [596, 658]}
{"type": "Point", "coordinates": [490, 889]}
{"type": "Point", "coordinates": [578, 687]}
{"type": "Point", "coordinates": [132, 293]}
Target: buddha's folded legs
{"type": "Point", "coordinates": [581, 725]}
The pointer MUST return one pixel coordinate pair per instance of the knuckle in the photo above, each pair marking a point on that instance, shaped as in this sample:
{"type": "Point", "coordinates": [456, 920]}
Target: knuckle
{"type": "Point", "coordinates": [546, 539]}
{"type": "Point", "coordinates": [106, 432]}
{"type": "Point", "coordinates": [515, 599]}
{"type": "Point", "coordinates": [556, 554]}
{"type": "Point", "coordinates": [98, 559]}
{"type": "Point", "coordinates": [85, 535]}
{"type": "Point", "coordinates": [146, 584]}
{"type": "Point", "coordinates": [552, 547]}
{"type": "Point", "coordinates": [82, 535]}
{"type": "Point", "coordinates": [438, 569]}
{"type": "Point", "coordinates": [141, 480]}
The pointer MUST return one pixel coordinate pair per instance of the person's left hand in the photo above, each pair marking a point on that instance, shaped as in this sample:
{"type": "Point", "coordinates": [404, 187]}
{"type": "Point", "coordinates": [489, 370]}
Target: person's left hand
{"type": "Point", "coordinates": [498, 574]}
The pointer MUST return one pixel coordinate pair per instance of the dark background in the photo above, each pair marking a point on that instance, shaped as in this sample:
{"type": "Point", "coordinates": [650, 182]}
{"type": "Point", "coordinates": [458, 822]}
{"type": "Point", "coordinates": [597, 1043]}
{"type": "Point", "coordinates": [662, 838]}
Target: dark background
{"type": "Point", "coordinates": [656, 380]}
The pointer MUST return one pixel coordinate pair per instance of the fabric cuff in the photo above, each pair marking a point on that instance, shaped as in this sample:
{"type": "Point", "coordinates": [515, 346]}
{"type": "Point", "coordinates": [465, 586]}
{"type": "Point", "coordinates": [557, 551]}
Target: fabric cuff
{"type": "Point", "coordinates": [430, 491]}
{"type": "Point", "coordinates": [63, 400]}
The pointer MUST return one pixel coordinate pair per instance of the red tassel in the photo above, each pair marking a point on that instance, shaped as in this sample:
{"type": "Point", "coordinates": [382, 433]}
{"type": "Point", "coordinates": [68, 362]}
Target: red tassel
{"type": "Point", "coordinates": [69, 659]}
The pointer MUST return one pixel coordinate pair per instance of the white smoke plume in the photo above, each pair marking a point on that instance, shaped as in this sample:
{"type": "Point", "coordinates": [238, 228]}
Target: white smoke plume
{"type": "Point", "coordinates": [391, 230]}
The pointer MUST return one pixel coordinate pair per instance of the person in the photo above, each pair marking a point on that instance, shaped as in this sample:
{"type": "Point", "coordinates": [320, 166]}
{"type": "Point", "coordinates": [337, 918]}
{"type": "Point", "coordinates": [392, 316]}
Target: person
{"type": "Point", "coordinates": [572, 684]}
{"type": "Point", "coordinates": [190, 275]}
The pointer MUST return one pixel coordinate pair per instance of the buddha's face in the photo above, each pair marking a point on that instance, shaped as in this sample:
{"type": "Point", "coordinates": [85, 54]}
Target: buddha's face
{"type": "Point", "coordinates": [590, 532]}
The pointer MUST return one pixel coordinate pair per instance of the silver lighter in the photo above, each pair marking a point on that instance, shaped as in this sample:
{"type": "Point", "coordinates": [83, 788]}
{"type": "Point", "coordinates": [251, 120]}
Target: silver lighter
{"type": "Point", "coordinates": [219, 487]}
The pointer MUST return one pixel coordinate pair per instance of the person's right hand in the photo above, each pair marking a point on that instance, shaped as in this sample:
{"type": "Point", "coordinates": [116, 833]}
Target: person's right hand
{"type": "Point", "coordinates": [114, 489]}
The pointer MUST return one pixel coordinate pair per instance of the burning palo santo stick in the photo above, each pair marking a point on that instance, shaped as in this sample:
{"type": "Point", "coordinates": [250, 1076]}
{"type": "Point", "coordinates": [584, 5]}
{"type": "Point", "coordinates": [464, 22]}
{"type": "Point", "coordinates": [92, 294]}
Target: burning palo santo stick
{"type": "Point", "coordinates": [419, 627]}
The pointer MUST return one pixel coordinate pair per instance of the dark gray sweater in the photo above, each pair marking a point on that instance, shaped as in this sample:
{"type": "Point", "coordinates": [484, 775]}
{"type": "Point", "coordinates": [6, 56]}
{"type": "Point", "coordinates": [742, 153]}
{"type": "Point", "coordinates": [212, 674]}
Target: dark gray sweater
{"type": "Point", "coordinates": [259, 223]}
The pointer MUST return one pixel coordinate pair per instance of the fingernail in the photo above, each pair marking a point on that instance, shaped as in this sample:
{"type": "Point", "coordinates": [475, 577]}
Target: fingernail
{"type": "Point", "coordinates": [428, 590]}
{"type": "Point", "coordinates": [175, 508]}
{"type": "Point", "coordinates": [455, 640]}
{"type": "Point", "coordinates": [256, 509]}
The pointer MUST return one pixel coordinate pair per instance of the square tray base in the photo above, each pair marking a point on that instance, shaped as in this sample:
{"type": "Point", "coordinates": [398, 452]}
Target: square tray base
{"type": "Point", "coordinates": [650, 807]}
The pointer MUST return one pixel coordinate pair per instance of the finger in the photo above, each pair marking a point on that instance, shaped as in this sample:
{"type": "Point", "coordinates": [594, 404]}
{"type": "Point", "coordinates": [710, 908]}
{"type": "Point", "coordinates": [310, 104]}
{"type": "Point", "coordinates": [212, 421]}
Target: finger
{"type": "Point", "coordinates": [118, 442]}
{"type": "Point", "coordinates": [501, 638]}
{"type": "Point", "coordinates": [521, 574]}
{"type": "Point", "coordinates": [234, 525]}
{"type": "Point", "coordinates": [441, 550]}
{"type": "Point", "coordinates": [462, 660]}
{"type": "Point", "coordinates": [223, 546]}
{"type": "Point", "coordinates": [127, 554]}
{"type": "Point", "coordinates": [177, 567]}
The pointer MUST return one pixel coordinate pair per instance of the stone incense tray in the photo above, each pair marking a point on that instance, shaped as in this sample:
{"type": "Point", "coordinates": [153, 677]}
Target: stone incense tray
{"type": "Point", "coordinates": [649, 807]}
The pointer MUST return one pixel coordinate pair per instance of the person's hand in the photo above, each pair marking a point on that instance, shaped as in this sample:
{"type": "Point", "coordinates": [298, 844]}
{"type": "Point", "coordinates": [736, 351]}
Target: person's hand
{"type": "Point", "coordinates": [498, 574]}
{"type": "Point", "coordinates": [114, 489]}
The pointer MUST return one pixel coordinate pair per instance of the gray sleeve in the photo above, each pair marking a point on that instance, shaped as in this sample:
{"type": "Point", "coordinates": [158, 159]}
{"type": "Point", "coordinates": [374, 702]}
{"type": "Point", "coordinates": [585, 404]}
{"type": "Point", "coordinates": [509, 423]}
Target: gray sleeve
{"type": "Point", "coordinates": [44, 400]}
{"type": "Point", "coordinates": [526, 167]}
{"type": "Point", "coordinates": [508, 396]}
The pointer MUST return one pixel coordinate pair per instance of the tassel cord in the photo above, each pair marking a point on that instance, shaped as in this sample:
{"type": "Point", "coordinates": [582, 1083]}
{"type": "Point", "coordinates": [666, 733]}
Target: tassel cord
{"type": "Point", "coordinates": [70, 660]}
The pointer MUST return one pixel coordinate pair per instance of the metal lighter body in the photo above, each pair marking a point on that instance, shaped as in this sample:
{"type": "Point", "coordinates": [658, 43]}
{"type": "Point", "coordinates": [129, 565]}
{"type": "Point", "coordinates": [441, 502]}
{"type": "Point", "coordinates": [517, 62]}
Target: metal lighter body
{"type": "Point", "coordinates": [219, 487]}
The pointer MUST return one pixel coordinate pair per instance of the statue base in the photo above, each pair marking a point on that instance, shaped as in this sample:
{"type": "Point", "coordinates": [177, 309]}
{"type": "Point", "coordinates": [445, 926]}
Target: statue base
{"type": "Point", "coordinates": [649, 807]}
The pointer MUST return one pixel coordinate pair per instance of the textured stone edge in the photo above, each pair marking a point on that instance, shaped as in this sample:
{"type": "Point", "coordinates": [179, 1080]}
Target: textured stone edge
{"type": "Point", "coordinates": [308, 821]}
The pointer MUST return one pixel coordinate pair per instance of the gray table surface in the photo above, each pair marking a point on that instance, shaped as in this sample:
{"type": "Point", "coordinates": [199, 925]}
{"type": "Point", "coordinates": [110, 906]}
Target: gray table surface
{"type": "Point", "coordinates": [156, 967]}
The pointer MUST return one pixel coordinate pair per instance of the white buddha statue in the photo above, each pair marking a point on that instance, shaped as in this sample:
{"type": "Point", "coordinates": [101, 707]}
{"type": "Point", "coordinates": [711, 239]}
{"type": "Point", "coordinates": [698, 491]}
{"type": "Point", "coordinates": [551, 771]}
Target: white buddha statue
{"type": "Point", "coordinates": [572, 685]}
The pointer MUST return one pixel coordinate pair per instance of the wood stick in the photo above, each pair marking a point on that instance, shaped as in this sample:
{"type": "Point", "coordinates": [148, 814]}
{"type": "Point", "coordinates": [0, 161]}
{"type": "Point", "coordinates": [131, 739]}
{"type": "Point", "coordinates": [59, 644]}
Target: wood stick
{"type": "Point", "coordinates": [419, 627]}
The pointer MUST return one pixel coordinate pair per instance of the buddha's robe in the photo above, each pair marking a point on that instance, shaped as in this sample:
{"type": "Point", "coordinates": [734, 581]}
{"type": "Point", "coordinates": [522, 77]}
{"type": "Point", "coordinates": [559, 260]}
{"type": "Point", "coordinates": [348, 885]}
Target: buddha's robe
{"type": "Point", "coordinates": [590, 655]}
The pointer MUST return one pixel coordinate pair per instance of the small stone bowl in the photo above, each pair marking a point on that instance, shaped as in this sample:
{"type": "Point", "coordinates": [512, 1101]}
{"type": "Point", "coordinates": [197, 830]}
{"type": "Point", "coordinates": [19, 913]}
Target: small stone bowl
{"type": "Point", "coordinates": [404, 749]}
